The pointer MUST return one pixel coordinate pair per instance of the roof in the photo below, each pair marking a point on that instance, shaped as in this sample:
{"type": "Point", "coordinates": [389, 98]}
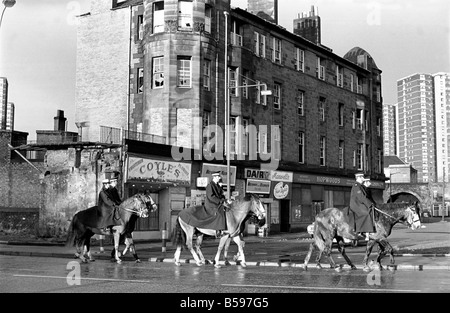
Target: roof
{"type": "Point", "coordinates": [353, 54]}
{"type": "Point", "coordinates": [65, 145]}
{"type": "Point", "coordinates": [392, 160]}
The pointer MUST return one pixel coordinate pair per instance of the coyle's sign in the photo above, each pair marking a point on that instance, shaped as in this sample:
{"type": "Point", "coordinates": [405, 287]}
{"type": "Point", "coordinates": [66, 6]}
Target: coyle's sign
{"type": "Point", "coordinates": [159, 170]}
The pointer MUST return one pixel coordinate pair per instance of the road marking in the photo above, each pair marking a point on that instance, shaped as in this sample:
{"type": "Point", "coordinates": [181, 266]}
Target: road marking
{"type": "Point", "coordinates": [87, 278]}
{"type": "Point", "coordinates": [319, 288]}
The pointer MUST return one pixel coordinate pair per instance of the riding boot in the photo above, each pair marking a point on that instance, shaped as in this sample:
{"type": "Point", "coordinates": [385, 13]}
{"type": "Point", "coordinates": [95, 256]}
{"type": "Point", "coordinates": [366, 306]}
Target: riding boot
{"type": "Point", "coordinates": [219, 234]}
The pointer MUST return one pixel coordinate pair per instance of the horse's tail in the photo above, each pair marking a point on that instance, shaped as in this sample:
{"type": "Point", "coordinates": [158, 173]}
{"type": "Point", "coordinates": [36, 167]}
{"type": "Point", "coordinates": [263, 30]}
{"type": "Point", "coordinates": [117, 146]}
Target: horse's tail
{"type": "Point", "coordinates": [318, 239]}
{"type": "Point", "coordinates": [178, 235]}
{"type": "Point", "coordinates": [70, 241]}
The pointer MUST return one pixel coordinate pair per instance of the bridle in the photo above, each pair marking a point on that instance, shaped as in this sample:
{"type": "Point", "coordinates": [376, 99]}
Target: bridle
{"type": "Point", "coordinates": [260, 211]}
{"type": "Point", "coordinates": [142, 211]}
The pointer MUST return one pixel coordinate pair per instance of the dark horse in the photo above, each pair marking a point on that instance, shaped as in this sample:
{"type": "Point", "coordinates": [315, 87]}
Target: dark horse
{"type": "Point", "coordinates": [235, 217]}
{"type": "Point", "coordinates": [390, 215]}
{"type": "Point", "coordinates": [80, 231]}
{"type": "Point", "coordinates": [333, 223]}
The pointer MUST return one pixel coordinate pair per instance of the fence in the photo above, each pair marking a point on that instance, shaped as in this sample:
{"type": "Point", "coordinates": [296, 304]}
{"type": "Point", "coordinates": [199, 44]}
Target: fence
{"type": "Point", "coordinates": [115, 135]}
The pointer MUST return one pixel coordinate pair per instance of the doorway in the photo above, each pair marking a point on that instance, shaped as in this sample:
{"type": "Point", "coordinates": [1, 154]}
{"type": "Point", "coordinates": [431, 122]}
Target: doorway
{"type": "Point", "coordinates": [285, 216]}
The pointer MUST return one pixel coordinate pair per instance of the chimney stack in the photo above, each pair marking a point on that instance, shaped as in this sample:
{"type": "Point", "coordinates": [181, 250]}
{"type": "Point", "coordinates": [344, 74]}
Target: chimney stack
{"type": "Point", "coordinates": [309, 26]}
{"type": "Point", "coordinates": [60, 121]}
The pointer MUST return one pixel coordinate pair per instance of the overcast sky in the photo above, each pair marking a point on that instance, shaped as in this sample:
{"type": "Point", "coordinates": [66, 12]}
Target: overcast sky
{"type": "Point", "coordinates": [38, 46]}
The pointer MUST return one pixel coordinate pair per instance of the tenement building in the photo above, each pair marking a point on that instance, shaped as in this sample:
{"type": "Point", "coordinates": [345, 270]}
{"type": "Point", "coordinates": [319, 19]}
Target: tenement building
{"type": "Point", "coordinates": [187, 85]}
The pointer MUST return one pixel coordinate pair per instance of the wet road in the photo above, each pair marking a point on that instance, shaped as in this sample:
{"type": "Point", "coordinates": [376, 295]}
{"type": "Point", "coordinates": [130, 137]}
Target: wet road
{"type": "Point", "coordinates": [58, 275]}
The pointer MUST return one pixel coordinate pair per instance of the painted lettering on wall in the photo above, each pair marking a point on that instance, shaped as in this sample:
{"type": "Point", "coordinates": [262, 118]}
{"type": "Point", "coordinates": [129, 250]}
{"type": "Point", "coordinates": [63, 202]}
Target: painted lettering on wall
{"type": "Point", "coordinates": [159, 170]}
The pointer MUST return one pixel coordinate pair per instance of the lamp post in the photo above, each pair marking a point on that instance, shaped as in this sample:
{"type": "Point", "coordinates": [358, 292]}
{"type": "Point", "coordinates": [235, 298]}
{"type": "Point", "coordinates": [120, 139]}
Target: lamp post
{"type": "Point", "coordinates": [443, 192]}
{"type": "Point", "coordinates": [6, 4]}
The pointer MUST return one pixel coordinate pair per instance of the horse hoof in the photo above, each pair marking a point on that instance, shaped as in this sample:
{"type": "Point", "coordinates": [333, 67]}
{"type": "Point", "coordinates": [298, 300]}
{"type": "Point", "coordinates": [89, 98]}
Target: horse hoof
{"type": "Point", "coordinates": [217, 266]}
{"type": "Point", "coordinates": [353, 267]}
{"type": "Point", "coordinates": [177, 263]}
{"type": "Point", "coordinates": [338, 269]}
{"type": "Point", "coordinates": [118, 261]}
{"type": "Point", "coordinates": [227, 263]}
{"type": "Point", "coordinates": [318, 266]}
{"type": "Point", "coordinates": [243, 264]}
{"type": "Point", "coordinates": [138, 261]}
{"type": "Point", "coordinates": [366, 269]}
{"type": "Point", "coordinates": [91, 260]}
{"type": "Point", "coordinates": [84, 261]}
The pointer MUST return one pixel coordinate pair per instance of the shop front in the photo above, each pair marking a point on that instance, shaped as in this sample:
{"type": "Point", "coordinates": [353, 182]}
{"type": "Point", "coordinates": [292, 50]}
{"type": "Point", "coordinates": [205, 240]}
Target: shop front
{"type": "Point", "coordinates": [313, 193]}
{"type": "Point", "coordinates": [166, 181]}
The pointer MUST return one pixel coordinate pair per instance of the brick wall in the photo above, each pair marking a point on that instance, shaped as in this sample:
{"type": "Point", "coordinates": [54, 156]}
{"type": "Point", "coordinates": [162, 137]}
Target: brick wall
{"type": "Point", "coordinates": [102, 69]}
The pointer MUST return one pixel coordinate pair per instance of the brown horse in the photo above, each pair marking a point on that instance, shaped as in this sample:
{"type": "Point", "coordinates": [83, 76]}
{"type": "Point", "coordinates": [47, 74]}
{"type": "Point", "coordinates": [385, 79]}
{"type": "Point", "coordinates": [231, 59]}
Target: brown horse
{"type": "Point", "coordinates": [235, 216]}
{"type": "Point", "coordinates": [390, 215]}
{"type": "Point", "coordinates": [331, 223]}
{"type": "Point", "coordinates": [81, 229]}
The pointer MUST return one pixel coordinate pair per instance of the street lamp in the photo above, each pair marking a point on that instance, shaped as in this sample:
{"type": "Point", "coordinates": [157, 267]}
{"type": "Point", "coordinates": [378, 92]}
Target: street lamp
{"type": "Point", "coordinates": [7, 4]}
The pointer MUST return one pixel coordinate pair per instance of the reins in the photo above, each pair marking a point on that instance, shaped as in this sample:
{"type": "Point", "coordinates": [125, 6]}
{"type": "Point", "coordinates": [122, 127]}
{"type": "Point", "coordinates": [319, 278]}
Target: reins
{"type": "Point", "coordinates": [390, 216]}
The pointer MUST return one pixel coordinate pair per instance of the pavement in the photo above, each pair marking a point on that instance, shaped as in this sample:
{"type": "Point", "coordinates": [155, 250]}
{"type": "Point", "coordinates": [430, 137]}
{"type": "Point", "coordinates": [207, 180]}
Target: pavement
{"type": "Point", "coordinates": [279, 250]}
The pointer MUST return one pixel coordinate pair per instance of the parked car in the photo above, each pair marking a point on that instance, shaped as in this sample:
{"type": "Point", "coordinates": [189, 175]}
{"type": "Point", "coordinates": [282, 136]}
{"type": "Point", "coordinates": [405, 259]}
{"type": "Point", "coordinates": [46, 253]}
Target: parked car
{"type": "Point", "coordinates": [310, 230]}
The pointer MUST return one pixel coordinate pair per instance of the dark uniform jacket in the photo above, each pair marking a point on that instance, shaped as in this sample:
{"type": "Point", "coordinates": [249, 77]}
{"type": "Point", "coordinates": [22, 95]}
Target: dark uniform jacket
{"type": "Point", "coordinates": [107, 209]}
{"type": "Point", "coordinates": [213, 204]}
{"type": "Point", "coordinates": [360, 205]}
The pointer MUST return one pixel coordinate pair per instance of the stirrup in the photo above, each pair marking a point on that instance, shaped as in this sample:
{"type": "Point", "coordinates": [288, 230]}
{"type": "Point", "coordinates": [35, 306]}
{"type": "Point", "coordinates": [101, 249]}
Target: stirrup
{"type": "Point", "coordinates": [219, 234]}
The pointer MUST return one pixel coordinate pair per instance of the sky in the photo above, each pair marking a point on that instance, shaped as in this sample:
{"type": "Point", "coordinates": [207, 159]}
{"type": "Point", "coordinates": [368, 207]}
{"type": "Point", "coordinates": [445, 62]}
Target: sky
{"type": "Point", "coordinates": [38, 46]}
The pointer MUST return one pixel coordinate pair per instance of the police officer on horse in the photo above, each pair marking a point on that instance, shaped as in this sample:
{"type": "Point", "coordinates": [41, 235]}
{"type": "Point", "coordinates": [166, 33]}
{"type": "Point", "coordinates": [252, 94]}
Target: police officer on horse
{"type": "Point", "coordinates": [362, 205]}
{"type": "Point", "coordinates": [215, 203]}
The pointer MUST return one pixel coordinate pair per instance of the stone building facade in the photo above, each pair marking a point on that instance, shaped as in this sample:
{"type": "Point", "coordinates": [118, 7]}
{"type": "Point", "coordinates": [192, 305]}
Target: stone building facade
{"type": "Point", "coordinates": [156, 70]}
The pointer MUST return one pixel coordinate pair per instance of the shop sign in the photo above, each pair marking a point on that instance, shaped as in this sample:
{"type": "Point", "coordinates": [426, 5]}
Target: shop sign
{"type": "Point", "coordinates": [159, 171]}
{"type": "Point", "coordinates": [207, 169]}
{"type": "Point", "coordinates": [257, 174]}
{"type": "Point", "coordinates": [281, 176]}
{"type": "Point", "coordinates": [202, 181]}
{"type": "Point", "coordinates": [281, 190]}
{"type": "Point", "coordinates": [331, 180]}
{"type": "Point", "coordinates": [258, 186]}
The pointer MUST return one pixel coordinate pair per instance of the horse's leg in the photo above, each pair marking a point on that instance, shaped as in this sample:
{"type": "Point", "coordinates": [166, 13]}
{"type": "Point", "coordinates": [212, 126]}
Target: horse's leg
{"type": "Point", "coordinates": [189, 244]}
{"type": "Point", "coordinates": [225, 251]}
{"type": "Point", "coordinates": [341, 248]}
{"type": "Point", "coordinates": [222, 242]}
{"type": "Point", "coordinates": [176, 256]}
{"type": "Point", "coordinates": [130, 245]}
{"type": "Point", "coordinates": [369, 248]}
{"type": "Point", "coordinates": [328, 248]}
{"type": "Point", "coordinates": [240, 245]}
{"type": "Point", "coordinates": [87, 244]}
{"type": "Point", "coordinates": [116, 233]}
{"type": "Point", "coordinates": [312, 246]}
{"type": "Point", "coordinates": [385, 247]}
{"type": "Point", "coordinates": [198, 245]}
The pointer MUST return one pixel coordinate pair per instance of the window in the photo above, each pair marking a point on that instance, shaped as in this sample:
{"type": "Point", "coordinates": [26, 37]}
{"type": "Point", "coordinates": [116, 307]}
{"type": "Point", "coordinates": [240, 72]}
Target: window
{"type": "Point", "coordinates": [208, 11]}
{"type": "Point", "coordinates": [341, 114]}
{"type": "Point", "coordinates": [158, 72]}
{"type": "Point", "coordinates": [301, 147]}
{"type": "Point", "coordinates": [158, 17]}
{"type": "Point", "coordinates": [140, 80]}
{"type": "Point", "coordinates": [206, 131]}
{"type": "Point", "coordinates": [260, 45]}
{"type": "Point", "coordinates": [184, 71]}
{"type": "Point", "coordinates": [245, 83]}
{"type": "Point", "coordinates": [359, 118]}
{"type": "Point", "coordinates": [276, 143]}
{"type": "Point", "coordinates": [233, 74]}
{"type": "Point", "coordinates": [366, 120]}
{"type": "Point", "coordinates": [341, 154]}
{"type": "Point", "coordinates": [185, 12]}
{"type": "Point", "coordinates": [260, 99]}
{"type": "Point", "coordinates": [300, 102]}
{"type": "Point", "coordinates": [262, 139]}
{"type": "Point", "coordinates": [339, 76]}
{"type": "Point", "coordinates": [277, 96]}
{"type": "Point", "coordinates": [322, 146]}
{"type": "Point", "coordinates": [206, 74]}
{"type": "Point", "coordinates": [322, 109]}
{"type": "Point", "coordinates": [352, 82]}
{"type": "Point", "coordinates": [276, 56]}
{"type": "Point", "coordinates": [320, 70]}
{"type": "Point", "coordinates": [359, 87]}
{"type": "Point", "coordinates": [140, 27]}
{"type": "Point", "coordinates": [359, 157]}
{"type": "Point", "coordinates": [244, 136]}
{"type": "Point", "coordinates": [378, 127]}
{"type": "Point", "coordinates": [300, 60]}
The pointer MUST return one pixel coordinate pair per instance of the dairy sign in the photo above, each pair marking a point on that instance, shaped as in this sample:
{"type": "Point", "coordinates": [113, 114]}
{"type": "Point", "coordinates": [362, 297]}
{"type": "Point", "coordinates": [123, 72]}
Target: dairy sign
{"type": "Point", "coordinates": [159, 171]}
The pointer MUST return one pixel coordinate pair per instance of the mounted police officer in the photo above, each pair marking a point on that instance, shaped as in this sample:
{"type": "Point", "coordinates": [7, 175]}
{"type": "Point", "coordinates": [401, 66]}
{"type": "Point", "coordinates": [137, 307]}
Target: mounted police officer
{"type": "Point", "coordinates": [106, 206]}
{"type": "Point", "coordinates": [215, 201]}
{"type": "Point", "coordinates": [362, 206]}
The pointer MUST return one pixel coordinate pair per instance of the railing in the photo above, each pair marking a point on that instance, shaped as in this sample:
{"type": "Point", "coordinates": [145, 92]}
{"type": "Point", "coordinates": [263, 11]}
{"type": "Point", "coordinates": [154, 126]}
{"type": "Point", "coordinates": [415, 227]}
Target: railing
{"type": "Point", "coordinates": [114, 136]}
